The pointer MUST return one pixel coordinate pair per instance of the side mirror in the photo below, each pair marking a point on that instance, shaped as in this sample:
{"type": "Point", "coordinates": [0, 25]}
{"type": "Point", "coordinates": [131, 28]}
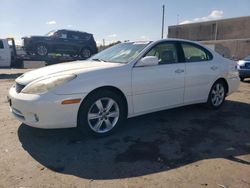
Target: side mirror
{"type": "Point", "coordinates": [147, 61]}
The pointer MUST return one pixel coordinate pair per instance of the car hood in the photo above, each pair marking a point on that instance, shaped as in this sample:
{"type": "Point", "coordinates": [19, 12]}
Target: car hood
{"type": "Point", "coordinates": [75, 67]}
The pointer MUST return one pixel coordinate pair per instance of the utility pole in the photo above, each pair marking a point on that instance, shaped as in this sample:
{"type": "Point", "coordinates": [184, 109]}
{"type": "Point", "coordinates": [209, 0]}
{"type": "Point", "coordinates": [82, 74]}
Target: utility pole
{"type": "Point", "coordinates": [163, 16]}
{"type": "Point", "coordinates": [216, 30]}
{"type": "Point", "coordinates": [103, 42]}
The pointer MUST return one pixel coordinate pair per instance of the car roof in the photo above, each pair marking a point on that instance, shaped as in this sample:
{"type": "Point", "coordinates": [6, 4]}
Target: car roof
{"type": "Point", "coordinates": [164, 40]}
{"type": "Point", "coordinates": [68, 30]}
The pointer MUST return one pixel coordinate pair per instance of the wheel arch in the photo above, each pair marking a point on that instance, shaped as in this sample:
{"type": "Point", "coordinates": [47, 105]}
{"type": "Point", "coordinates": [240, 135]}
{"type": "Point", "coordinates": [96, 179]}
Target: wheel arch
{"type": "Point", "coordinates": [225, 83]}
{"type": "Point", "coordinates": [110, 88]}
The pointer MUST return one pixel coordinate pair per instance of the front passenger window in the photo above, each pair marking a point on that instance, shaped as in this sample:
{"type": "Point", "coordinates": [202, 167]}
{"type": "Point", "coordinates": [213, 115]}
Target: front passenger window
{"type": "Point", "coordinates": [165, 52]}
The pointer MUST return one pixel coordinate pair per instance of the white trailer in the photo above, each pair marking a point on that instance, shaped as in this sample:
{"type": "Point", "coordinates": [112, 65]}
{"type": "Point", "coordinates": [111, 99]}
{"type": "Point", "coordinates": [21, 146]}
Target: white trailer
{"type": "Point", "coordinates": [5, 53]}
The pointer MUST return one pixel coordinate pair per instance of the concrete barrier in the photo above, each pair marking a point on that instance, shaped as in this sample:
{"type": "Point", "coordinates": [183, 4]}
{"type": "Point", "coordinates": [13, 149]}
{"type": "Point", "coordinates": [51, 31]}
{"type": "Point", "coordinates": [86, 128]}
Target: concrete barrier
{"type": "Point", "coordinates": [33, 64]}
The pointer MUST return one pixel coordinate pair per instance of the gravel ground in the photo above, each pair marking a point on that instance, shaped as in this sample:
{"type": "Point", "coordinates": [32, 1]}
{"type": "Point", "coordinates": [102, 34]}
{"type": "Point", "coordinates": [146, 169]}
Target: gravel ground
{"type": "Point", "coordinates": [184, 147]}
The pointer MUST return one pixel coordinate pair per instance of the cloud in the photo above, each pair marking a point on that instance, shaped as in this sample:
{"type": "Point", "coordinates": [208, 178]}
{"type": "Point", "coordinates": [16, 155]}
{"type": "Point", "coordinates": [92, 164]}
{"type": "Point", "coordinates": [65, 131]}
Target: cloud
{"type": "Point", "coordinates": [143, 37]}
{"type": "Point", "coordinates": [112, 35]}
{"type": "Point", "coordinates": [52, 22]}
{"type": "Point", "coordinates": [214, 15]}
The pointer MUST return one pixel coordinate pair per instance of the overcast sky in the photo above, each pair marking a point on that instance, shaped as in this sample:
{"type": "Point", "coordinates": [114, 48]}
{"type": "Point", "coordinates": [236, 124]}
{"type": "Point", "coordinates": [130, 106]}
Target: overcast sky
{"type": "Point", "coordinates": [111, 20]}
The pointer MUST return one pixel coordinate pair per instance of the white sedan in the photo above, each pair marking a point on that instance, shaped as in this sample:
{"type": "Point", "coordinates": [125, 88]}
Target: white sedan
{"type": "Point", "coordinates": [126, 80]}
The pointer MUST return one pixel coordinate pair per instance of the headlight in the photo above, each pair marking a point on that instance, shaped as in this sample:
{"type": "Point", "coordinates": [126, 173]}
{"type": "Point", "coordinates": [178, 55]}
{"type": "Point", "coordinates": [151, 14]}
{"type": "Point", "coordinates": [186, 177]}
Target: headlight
{"type": "Point", "coordinates": [46, 84]}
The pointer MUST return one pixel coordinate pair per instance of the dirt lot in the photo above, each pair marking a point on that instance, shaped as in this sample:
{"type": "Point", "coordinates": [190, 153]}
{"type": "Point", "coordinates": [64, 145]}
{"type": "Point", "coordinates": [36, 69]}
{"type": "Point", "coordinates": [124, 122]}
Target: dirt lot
{"type": "Point", "coordinates": [185, 147]}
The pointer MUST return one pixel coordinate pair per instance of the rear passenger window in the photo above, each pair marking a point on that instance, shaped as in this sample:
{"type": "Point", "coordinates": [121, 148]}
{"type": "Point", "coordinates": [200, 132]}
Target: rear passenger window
{"type": "Point", "coordinates": [74, 36]}
{"type": "Point", "coordinates": [1, 44]}
{"type": "Point", "coordinates": [194, 53]}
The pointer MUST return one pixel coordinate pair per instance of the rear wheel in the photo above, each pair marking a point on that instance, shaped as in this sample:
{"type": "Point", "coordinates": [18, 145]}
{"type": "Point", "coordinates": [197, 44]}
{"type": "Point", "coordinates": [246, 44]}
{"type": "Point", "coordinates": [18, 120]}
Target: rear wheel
{"type": "Point", "coordinates": [101, 113]}
{"type": "Point", "coordinates": [217, 95]}
{"type": "Point", "coordinates": [85, 53]}
{"type": "Point", "coordinates": [41, 50]}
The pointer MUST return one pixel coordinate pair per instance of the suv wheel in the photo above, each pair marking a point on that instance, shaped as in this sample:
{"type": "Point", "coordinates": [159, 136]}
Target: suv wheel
{"type": "Point", "coordinates": [85, 53]}
{"type": "Point", "coordinates": [41, 50]}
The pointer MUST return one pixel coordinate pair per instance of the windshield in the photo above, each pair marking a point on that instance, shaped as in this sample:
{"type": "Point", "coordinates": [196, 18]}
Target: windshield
{"type": "Point", "coordinates": [50, 33]}
{"type": "Point", "coordinates": [247, 58]}
{"type": "Point", "coordinates": [121, 53]}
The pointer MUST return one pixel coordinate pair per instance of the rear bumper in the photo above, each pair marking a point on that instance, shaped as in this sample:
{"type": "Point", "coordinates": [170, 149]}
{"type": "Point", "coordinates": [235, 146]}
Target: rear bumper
{"type": "Point", "coordinates": [233, 84]}
{"type": "Point", "coordinates": [245, 73]}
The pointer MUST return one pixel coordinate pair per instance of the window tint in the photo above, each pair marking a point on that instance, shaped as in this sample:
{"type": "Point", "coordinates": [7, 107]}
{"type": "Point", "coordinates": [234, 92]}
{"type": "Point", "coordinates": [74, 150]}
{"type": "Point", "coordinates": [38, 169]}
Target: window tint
{"type": "Point", "coordinates": [85, 36]}
{"type": "Point", "coordinates": [1, 44]}
{"type": "Point", "coordinates": [194, 53]}
{"type": "Point", "coordinates": [61, 34]}
{"type": "Point", "coordinates": [73, 35]}
{"type": "Point", "coordinates": [166, 53]}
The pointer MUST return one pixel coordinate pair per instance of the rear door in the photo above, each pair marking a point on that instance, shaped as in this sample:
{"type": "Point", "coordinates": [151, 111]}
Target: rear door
{"type": "Point", "coordinates": [5, 54]}
{"type": "Point", "coordinates": [201, 72]}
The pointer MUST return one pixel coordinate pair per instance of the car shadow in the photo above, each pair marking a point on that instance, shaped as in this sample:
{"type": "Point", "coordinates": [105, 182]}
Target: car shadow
{"type": "Point", "coordinates": [147, 144]}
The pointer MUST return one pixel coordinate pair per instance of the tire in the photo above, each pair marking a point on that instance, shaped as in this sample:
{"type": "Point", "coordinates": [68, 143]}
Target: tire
{"type": "Point", "coordinates": [41, 50]}
{"type": "Point", "coordinates": [242, 79]}
{"type": "Point", "coordinates": [217, 95]}
{"type": "Point", "coordinates": [85, 53]}
{"type": "Point", "coordinates": [94, 117]}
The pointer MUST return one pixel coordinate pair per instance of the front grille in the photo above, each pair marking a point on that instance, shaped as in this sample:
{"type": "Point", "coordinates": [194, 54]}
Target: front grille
{"type": "Point", "coordinates": [19, 87]}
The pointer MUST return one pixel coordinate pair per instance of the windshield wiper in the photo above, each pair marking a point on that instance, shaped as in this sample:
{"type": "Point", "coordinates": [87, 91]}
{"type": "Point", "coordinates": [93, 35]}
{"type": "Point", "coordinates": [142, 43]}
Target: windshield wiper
{"type": "Point", "coordinates": [97, 59]}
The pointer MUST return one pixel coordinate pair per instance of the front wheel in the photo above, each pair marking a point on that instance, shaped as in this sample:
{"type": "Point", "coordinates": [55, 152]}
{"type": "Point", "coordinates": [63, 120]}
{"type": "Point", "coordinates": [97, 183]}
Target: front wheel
{"type": "Point", "coordinates": [217, 95]}
{"type": "Point", "coordinates": [101, 113]}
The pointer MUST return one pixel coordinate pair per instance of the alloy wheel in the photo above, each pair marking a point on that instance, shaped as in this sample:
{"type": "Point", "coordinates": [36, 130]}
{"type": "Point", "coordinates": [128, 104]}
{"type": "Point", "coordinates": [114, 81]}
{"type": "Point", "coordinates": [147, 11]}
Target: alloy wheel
{"type": "Point", "coordinates": [217, 94]}
{"type": "Point", "coordinates": [86, 53]}
{"type": "Point", "coordinates": [42, 50]}
{"type": "Point", "coordinates": [103, 115]}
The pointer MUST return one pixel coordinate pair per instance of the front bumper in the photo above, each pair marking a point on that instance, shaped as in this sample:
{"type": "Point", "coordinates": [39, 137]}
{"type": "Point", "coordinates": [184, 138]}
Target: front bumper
{"type": "Point", "coordinates": [44, 111]}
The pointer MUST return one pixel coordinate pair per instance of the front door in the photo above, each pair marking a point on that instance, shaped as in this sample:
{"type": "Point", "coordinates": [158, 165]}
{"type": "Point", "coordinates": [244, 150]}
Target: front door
{"type": "Point", "coordinates": [160, 86]}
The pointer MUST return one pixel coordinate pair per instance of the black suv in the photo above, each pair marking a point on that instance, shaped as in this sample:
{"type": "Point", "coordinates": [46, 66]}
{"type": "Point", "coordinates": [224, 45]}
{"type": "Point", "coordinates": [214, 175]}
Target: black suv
{"type": "Point", "coordinates": [74, 43]}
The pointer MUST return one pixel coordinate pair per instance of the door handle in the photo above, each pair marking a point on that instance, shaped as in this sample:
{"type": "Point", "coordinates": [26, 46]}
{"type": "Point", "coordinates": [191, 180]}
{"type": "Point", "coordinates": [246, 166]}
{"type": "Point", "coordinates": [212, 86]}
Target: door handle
{"type": "Point", "coordinates": [179, 71]}
{"type": "Point", "coordinates": [214, 68]}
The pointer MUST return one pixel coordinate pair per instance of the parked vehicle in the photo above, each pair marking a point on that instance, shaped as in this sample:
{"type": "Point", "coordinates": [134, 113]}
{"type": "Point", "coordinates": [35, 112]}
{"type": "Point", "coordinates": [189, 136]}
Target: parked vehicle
{"type": "Point", "coordinates": [5, 53]}
{"type": "Point", "coordinates": [244, 68]}
{"type": "Point", "coordinates": [126, 80]}
{"type": "Point", "coordinates": [10, 56]}
{"type": "Point", "coordinates": [74, 43]}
